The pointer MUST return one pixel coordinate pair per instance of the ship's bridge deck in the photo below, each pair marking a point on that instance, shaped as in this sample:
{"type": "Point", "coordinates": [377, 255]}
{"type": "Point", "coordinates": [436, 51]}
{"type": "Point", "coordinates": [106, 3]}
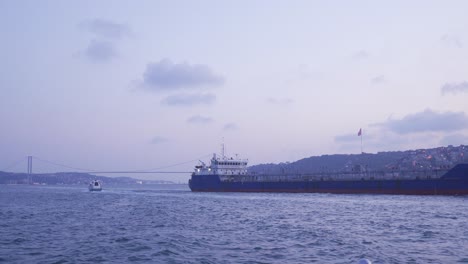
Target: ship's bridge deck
{"type": "Point", "coordinates": [223, 166]}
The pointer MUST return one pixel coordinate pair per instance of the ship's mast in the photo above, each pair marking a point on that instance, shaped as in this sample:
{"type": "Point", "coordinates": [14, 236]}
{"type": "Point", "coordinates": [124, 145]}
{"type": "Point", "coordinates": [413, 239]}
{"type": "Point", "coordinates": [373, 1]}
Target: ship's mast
{"type": "Point", "coordinates": [222, 149]}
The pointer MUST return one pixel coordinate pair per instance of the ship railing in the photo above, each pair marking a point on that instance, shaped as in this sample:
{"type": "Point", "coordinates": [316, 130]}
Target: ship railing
{"type": "Point", "coordinates": [337, 176]}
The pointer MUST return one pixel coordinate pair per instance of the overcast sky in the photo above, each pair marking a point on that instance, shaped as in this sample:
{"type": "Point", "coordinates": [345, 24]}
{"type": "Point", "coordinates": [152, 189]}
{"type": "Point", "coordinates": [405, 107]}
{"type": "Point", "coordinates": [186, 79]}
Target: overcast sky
{"type": "Point", "coordinates": [124, 85]}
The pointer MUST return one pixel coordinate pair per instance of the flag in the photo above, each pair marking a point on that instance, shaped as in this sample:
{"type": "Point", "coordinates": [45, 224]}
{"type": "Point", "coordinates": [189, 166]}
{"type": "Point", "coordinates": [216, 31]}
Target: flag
{"type": "Point", "coordinates": [360, 132]}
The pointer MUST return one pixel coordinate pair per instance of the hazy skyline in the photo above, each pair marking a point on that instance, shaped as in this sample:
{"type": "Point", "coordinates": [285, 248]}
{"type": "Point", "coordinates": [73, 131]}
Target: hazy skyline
{"type": "Point", "coordinates": [120, 85]}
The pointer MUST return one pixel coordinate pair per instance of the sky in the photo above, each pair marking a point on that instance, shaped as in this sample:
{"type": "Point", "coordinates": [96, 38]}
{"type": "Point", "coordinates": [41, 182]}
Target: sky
{"type": "Point", "coordinates": [140, 85]}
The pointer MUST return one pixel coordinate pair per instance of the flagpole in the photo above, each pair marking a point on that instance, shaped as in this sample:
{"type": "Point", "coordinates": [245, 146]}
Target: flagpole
{"type": "Point", "coordinates": [361, 142]}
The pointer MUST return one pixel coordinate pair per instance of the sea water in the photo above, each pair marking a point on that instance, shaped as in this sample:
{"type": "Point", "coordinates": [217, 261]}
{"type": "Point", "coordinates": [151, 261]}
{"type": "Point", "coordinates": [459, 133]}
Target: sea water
{"type": "Point", "coordinates": [170, 224]}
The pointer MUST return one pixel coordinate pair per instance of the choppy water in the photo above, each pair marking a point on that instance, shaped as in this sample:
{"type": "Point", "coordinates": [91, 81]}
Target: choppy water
{"type": "Point", "coordinates": [170, 224]}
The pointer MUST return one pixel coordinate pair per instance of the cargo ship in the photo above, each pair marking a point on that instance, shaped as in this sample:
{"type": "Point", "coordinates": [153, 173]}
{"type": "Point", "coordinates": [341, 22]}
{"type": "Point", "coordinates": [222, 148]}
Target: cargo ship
{"type": "Point", "coordinates": [231, 175]}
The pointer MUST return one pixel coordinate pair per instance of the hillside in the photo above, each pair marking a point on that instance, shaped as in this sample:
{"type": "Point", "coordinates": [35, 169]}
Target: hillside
{"type": "Point", "coordinates": [420, 159]}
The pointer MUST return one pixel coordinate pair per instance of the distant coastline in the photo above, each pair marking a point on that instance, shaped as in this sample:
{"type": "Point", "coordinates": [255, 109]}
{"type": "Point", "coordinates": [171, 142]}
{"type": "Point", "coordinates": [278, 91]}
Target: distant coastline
{"type": "Point", "coordinates": [69, 178]}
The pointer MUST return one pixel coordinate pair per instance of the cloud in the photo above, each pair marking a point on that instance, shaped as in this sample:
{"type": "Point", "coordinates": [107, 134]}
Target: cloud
{"type": "Point", "coordinates": [106, 33]}
{"type": "Point", "coordinates": [452, 41]}
{"type": "Point", "coordinates": [454, 88]}
{"type": "Point", "coordinates": [360, 55]}
{"type": "Point", "coordinates": [230, 127]}
{"type": "Point", "coordinates": [378, 80]}
{"type": "Point", "coordinates": [100, 51]}
{"type": "Point", "coordinates": [165, 75]}
{"type": "Point", "coordinates": [454, 139]}
{"type": "Point", "coordinates": [427, 121]}
{"type": "Point", "coordinates": [158, 140]}
{"type": "Point", "coordinates": [198, 119]}
{"type": "Point", "coordinates": [106, 29]}
{"type": "Point", "coordinates": [189, 99]}
{"type": "Point", "coordinates": [280, 101]}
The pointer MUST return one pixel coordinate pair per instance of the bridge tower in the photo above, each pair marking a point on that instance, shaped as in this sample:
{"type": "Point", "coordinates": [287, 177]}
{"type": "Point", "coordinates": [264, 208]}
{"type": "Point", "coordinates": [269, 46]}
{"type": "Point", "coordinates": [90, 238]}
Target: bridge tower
{"type": "Point", "coordinates": [29, 169]}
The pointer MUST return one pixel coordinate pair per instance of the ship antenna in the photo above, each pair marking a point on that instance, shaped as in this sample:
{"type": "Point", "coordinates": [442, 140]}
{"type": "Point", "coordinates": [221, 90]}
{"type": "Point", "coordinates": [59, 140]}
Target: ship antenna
{"type": "Point", "coordinates": [222, 149]}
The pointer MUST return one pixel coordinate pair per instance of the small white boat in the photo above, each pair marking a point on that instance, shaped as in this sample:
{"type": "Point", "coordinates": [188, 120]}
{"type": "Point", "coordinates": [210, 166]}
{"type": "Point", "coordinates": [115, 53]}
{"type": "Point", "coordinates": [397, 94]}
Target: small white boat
{"type": "Point", "coordinates": [95, 186]}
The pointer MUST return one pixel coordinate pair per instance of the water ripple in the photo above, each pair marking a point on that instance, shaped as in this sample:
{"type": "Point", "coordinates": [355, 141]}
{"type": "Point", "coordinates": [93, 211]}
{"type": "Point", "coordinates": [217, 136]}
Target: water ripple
{"type": "Point", "coordinates": [60, 224]}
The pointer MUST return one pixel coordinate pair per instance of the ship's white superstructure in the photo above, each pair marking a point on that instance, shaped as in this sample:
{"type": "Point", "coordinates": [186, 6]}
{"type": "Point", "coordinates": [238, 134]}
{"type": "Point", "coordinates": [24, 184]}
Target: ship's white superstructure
{"type": "Point", "coordinates": [222, 166]}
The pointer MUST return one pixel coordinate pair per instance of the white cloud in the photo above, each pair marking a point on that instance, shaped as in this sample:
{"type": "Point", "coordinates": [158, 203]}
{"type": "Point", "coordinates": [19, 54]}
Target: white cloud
{"type": "Point", "coordinates": [427, 121]}
{"type": "Point", "coordinates": [230, 127]}
{"type": "Point", "coordinates": [452, 41]}
{"type": "Point", "coordinates": [189, 99]}
{"type": "Point", "coordinates": [378, 80]}
{"type": "Point", "coordinates": [158, 140]}
{"type": "Point", "coordinates": [100, 51]}
{"type": "Point", "coordinates": [165, 75]}
{"type": "Point", "coordinates": [106, 29]}
{"type": "Point", "coordinates": [454, 88]}
{"type": "Point", "coordinates": [360, 55]}
{"type": "Point", "coordinates": [198, 119]}
{"type": "Point", "coordinates": [280, 101]}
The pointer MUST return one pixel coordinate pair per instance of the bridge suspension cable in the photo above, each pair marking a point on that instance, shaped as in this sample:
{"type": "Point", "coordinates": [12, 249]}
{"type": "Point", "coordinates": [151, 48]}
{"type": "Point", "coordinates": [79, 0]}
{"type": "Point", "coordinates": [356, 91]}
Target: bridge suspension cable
{"type": "Point", "coordinates": [62, 165]}
{"type": "Point", "coordinates": [152, 170]}
{"type": "Point", "coordinates": [177, 164]}
{"type": "Point", "coordinates": [13, 164]}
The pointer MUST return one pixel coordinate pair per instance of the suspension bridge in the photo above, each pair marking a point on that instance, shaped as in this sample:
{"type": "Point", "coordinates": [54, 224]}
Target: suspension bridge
{"type": "Point", "coordinates": [13, 167]}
